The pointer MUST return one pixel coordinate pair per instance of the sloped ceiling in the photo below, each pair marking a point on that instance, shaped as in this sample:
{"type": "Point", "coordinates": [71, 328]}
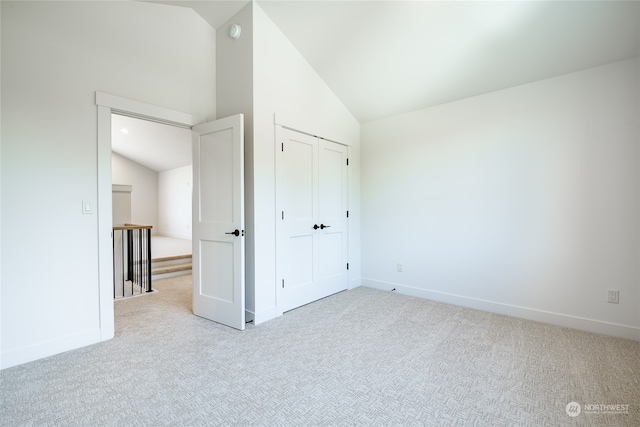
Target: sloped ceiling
{"type": "Point", "coordinates": [215, 12]}
{"type": "Point", "coordinates": [383, 58]}
{"type": "Point", "coordinates": [156, 146]}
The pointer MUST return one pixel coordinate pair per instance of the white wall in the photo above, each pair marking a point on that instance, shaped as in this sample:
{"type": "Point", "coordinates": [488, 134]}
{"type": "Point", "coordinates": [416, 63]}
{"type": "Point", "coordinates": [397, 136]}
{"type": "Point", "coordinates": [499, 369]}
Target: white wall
{"type": "Point", "coordinates": [523, 201]}
{"type": "Point", "coordinates": [174, 202]}
{"type": "Point", "coordinates": [144, 194]}
{"type": "Point", "coordinates": [55, 55]}
{"type": "Point", "coordinates": [285, 85]}
{"type": "Point", "coordinates": [234, 79]}
{"type": "Point", "coordinates": [262, 74]}
{"type": "Point", "coordinates": [1, 364]}
{"type": "Point", "coordinates": [121, 205]}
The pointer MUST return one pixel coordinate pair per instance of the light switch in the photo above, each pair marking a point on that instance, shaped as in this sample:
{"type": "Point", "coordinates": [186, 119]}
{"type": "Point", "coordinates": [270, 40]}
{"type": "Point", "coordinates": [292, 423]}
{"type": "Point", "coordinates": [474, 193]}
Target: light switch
{"type": "Point", "coordinates": [86, 207]}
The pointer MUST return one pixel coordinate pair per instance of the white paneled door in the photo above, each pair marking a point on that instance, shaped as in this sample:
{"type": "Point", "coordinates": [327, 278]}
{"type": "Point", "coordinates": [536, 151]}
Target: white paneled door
{"type": "Point", "coordinates": [218, 221]}
{"type": "Point", "coordinates": [332, 215]}
{"type": "Point", "coordinates": [312, 223]}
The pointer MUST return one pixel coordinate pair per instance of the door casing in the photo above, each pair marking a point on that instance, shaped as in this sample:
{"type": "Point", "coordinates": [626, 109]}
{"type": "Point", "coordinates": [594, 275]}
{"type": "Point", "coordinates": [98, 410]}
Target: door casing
{"type": "Point", "coordinates": [109, 104]}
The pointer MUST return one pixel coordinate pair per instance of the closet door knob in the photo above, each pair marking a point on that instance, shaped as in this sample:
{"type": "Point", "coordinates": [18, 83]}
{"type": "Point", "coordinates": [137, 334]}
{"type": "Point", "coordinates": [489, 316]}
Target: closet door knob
{"type": "Point", "coordinates": [322, 226]}
{"type": "Point", "coordinates": [315, 226]}
{"type": "Point", "coordinates": [235, 232]}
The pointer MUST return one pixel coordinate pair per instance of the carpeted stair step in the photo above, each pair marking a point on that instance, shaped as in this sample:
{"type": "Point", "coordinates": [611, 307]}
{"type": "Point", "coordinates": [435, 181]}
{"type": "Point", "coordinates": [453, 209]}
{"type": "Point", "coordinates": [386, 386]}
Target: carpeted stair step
{"type": "Point", "coordinates": [170, 268]}
{"type": "Point", "coordinates": [176, 259]}
{"type": "Point", "coordinates": [162, 268]}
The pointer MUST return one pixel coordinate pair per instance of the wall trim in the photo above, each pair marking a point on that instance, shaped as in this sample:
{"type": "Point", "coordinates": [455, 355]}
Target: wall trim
{"type": "Point", "coordinates": [49, 348]}
{"type": "Point", "coordinates": [174, 235]}
{"type": "Point", "coordinates": [131, 108]}
{"type": "Point", "coordinates": [118, 188]}
{"type": "Point", "coordinates": [558, 319]}
{"type": "Point", "coordinates": [307, 127]}
{"type": "Point", "coordinates": [106, 105]}
{"type": "Point", "coordinates": [261, 316]}
{"type": "Point", "coordinates": [105, 225]}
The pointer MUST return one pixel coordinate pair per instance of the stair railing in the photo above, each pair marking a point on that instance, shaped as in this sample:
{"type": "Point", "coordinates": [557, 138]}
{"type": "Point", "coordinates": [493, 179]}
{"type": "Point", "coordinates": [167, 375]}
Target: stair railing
{"type": "Point", "coordinates": [131, 259]}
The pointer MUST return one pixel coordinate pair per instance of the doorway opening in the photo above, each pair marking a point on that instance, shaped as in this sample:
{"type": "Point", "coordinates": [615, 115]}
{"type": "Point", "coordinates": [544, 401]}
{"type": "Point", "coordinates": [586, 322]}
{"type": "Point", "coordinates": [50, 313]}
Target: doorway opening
{"type": "Point", "coordinates": [218, 285]}
{"type": "Point", "coordinates": [151, 173]}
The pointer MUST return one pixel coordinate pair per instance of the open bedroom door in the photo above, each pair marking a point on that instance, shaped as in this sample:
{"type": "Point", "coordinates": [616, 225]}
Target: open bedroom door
{"type": "Point", "coordinates": [218, 221]}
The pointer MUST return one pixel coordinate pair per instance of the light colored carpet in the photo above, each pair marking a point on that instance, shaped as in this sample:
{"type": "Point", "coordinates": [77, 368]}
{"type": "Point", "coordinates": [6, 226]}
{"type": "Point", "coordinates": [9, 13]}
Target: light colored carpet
{"type": "Point", "coordinates": [362, 357]}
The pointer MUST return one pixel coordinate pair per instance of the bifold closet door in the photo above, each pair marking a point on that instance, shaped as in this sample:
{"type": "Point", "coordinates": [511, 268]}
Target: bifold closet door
{"type": "Point", "coordinates": [332, 214]}
{"type": "Point", "coordinates": [297, 249]}
{"type": "Point", "coordinates": [312, 225]}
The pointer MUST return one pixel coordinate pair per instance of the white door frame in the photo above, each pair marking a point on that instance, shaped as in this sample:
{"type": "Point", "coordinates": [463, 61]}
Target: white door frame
{"type": "Point", "coordinates": [108, 104]}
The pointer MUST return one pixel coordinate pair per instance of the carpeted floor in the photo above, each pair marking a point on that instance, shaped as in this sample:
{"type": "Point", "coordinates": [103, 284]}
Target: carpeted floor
{"type": "Point", "coordinates": [362, 357]}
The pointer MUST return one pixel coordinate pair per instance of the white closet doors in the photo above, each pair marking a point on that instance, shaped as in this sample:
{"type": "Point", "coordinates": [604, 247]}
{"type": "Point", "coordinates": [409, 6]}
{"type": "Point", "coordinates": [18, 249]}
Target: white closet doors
{"type": "Point", "coordinates": [312, 222]}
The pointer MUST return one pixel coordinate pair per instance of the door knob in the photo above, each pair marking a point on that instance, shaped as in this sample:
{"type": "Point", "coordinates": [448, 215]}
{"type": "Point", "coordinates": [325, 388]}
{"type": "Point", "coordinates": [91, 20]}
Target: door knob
{"type": "Point", "coordinates": [315, 226]}
{"type": "Point", "coordinates": [236, 232]}
{"type": "Point", "coordinates": [322, 226]}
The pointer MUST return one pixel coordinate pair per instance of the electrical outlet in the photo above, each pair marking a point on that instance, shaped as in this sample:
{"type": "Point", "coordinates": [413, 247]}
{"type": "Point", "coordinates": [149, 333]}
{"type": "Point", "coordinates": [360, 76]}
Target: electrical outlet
{"type": "Point", "coordinates": [614, 296]}
{"type": "Point", "coordinates": [399, 266]}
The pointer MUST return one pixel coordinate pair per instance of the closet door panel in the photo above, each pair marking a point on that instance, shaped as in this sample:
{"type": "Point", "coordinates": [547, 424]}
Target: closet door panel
{"type": "Point", "coordinates": [298, 251]}
{"type": "Point", "coordinates": [333, 206]}
{"type": "Point", "coordinates": [312, 245]}
{"type": "Point", "coordinates": [301, 180]}
{"type": "Point", "coordinates": [300, 258]}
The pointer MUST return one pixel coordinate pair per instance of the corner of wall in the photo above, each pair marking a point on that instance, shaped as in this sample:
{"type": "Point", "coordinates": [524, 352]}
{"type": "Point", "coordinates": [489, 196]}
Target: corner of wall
{"type": "Point", "coordinates": [530, 209]}
{"type": "Point", "coordinates": [234, 94]}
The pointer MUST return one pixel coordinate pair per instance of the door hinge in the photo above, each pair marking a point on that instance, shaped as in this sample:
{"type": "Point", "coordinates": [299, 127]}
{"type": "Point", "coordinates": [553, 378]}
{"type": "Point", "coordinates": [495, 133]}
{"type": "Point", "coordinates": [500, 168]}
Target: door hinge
{"type": "Point", "coordinates": [347, 161]}
{"type": "Point", "coordinates": [282, 148]}
{"type": "Point", "coordinates": [283, 215]}
{"type": "Point", "coordinates": [347, 266]}
{"type": "Point", "coordinates": [283, 283]}
{"type": "Point", "coordinates": [347, 214]}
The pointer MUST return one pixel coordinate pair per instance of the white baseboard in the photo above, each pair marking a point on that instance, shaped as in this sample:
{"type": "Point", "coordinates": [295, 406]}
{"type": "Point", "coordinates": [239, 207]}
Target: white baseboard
{"type": "Point", "coordinates": [174, 235]}
{"type": "Point", "coordinates": [49, 348]}
{"type": "Point", "coordinates": [574, 322]}
{"type": "Point", "coordinates": [261, 316]}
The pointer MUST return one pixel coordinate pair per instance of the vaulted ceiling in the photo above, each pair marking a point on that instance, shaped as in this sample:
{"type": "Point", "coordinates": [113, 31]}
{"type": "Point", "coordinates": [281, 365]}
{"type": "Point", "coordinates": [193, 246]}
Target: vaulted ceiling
{"type": "Point", "coordinates": [156, 146]}
{"type": "Point", "coordinates": [383, 58]}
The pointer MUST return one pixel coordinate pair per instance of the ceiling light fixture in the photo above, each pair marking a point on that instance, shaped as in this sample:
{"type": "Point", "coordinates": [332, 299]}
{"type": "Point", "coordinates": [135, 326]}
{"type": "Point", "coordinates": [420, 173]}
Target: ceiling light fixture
{"type": "Point", "coordinates": [235, 31]}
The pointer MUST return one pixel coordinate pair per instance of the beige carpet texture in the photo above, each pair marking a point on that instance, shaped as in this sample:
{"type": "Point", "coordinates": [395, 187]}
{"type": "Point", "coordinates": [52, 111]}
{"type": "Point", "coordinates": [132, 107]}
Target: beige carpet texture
{"type": "Point", "coordinates": [358, 358]}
